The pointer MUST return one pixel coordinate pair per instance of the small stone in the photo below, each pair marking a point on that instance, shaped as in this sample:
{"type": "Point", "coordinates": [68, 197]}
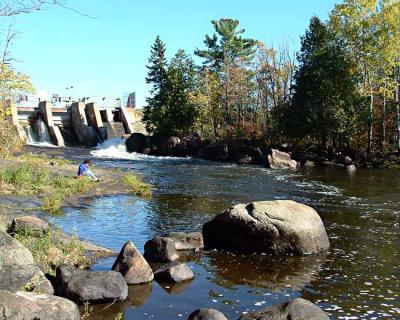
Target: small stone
{"type": "Point", "coordinates": [160, 249]}
{"type": "Point", "coordinates": [28, 224]}
{"type": "Point", "coordinates": [174, 273]}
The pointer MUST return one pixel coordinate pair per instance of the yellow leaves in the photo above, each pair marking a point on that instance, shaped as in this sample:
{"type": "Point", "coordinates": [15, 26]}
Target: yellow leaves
{"type": "Point", "coordinates": [12, 82]}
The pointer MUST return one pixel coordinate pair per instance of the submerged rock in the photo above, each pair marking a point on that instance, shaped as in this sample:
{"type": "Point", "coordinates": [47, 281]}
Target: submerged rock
{"type": "Point", "coordinates": [18, 270]}
{"type": "Point", "coordinates": [273, 227]}
{"type": "Point", "coordinates": [174, 273]}
{"type": "Point", "coordinates": [172, 246]}
{"type": "Point", "coordinates": [29, 305]}
{"type": "Point", "coordinates": [131, 264]}
{"type": "Point", "coordinates": [83, 286]}
{"type": "Point", "coordinates": [297, 309]}
{"type": "Point", "coordinates": [207, 314]}
{"type": "Point", "coordinates": [280, 160]}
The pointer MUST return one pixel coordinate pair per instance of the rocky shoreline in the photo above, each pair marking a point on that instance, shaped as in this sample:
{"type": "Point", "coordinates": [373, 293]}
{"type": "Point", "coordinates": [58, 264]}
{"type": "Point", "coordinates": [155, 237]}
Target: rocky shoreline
{"type": "Point", "coordinates": [26, 292]}
{"type": "Point", "coordinates": [257, 152]}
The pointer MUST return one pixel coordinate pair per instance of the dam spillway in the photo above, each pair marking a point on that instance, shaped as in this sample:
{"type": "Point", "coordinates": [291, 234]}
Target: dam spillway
{"type": "Point", "coordinates": [79, 123]}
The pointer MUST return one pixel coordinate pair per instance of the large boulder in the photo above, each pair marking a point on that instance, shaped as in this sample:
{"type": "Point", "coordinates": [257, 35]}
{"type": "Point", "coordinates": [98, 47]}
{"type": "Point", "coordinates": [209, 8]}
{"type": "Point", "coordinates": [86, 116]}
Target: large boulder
{"type": "Point", "coordinates": [174, 273]}
{"type": "Point", "coordinates": [136, 142]}
{"type": "Point", "coordinates": [172, 246]}
{"type": "Point", "coordinates": [83, 286]}
{"type": "Point", "coordinates": [131, 264]}
{"type": "Point", "coordinates": [274, 227]}
{"type": "Point", "coordinates": [28, 224]}
{"type": "Point", "coordinates": [297, 309]}
{"type": "Point", "coordinates": [18, 270]}
{"type": "Point", "coordinates": [280, 160]}
{"type": "Point", "coordinates": [207, 314]}
{"type": "Point", "coordinates": [28, 305]}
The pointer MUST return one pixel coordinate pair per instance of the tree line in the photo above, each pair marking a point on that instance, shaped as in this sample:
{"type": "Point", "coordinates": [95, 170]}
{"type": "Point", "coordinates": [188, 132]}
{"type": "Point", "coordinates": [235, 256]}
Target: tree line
{"type": "Point", "coordinates": [340, 89]}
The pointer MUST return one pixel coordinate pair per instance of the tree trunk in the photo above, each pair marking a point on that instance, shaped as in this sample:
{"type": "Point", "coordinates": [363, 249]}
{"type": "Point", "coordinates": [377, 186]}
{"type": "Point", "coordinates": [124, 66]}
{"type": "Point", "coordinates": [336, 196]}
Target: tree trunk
{"type": "Point", "coordinates": [371, 115]}
{"type": "Point", "coordinates": [397, 104]}
{"type": "Point", "coordinates": [384, 120]}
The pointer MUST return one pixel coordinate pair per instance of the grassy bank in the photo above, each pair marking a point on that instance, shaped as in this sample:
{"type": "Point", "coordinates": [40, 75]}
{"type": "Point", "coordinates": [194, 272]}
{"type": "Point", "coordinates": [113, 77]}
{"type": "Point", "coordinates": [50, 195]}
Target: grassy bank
{"type": "Point", "coordinates": [49, 250]}
{"type": "Point", "coordinates": [137, 186]}
{"type": "Point", "coordinates": [30, 179]}
{"type": "Point", "coordinates": [53, 181]}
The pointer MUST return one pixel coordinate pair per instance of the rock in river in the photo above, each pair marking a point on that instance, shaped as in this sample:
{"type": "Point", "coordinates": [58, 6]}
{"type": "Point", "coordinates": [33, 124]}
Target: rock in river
{"type": "Point", "coordinates": [18, 270]}
{"type": "Point", "coordinates": [280, 160]}
{"type": "Point", "coordinates": [172, 246]}
{"type": "Point", "coordinates": [174, 273]}
{"type": "Point", "coordinates": [274, 227]}
{"type": "Point", "coordinates": [94, 287]}
{"type": "Point", "coordinates": [207, 314]}
{"type": "Point", "coordinates": [297, 309]}
{"type": "Point", "coordinates": [28, 305]}
{"type": "Point", "coordinates": [131, 264]}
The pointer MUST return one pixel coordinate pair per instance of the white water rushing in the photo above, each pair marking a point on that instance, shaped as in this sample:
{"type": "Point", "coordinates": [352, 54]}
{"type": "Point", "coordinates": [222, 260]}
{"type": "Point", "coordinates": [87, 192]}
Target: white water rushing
{"type": "Point", "coordinates": [116, 149]}
{"type": "Point", "coordinates": [38, 134]}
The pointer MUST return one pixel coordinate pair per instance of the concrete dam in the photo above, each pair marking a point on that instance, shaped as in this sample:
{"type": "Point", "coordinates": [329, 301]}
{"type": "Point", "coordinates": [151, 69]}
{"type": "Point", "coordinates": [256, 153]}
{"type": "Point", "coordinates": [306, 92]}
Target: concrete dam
{"type": "Point", "coordinates": [77, 124]}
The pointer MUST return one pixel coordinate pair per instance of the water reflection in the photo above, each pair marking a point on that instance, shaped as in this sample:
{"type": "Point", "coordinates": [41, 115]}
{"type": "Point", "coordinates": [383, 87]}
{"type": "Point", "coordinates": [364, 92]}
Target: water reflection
{"type": "Point", "coordinates": [273, 273]}
{"type": "Point", "coordinates": [358, 279]}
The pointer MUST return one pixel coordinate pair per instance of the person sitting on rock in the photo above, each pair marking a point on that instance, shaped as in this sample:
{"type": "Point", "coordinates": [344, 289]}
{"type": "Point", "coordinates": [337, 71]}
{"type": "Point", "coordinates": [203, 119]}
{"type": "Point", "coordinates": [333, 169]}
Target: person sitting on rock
{"type": "Point", "coordinates": [84, 170]}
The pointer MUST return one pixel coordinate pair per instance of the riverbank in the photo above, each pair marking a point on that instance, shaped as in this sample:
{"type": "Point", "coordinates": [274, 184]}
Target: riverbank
{"type": "Point", "coordinates": [257, 151]}
{"type": "Point", "coordinates": [26, 193]}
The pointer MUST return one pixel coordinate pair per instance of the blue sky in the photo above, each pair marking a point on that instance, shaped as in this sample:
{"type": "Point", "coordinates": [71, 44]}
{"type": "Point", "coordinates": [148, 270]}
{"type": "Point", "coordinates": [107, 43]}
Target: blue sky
{"type": "Point", "coordinates": [107, 55]}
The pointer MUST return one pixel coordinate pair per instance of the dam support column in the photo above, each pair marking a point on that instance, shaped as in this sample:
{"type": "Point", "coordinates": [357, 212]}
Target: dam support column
{"type": "Point", "coordinates": [54, 131]}
{"type": "Point", "coordinates": [17, 125]}
{"type": "Point", "coordinates": [86, 135]}
{"type": "Point", "coordinates": [127, 120]}
{"type": "Point", "coordinates": [94, 116]}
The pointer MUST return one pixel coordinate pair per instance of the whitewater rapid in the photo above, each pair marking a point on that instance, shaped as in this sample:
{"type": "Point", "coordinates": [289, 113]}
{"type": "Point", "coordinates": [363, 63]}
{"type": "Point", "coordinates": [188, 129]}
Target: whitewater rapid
{"type": "Point", "coordinates": [116, 149]}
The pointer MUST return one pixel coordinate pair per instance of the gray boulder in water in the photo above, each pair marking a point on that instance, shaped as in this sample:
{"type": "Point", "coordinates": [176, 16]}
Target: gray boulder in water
{"type": "Point", "coordinates": [275, 227]}
{"type": "Point", "coordinates": [174, 273]}
{"type": "Point", "coordinates": [297, 309]}
{"type": "Point", "coordinates": [83, 286]}
{"type": "Point", "coordinates": [280, 160]}
{"type": "Point", "coordinates": [131, 264]}
{"type": "Point", "coordinates": [207, 314]}
{"type": "Point", "coordinates": [28, 305]}
{"type": "Point", "coordinates": [172, 246]}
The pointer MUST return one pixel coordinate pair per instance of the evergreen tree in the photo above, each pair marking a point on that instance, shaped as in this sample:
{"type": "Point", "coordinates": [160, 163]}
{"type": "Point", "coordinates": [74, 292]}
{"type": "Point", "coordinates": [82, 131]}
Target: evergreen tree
{"type": "Point", "coordinates": [155, 110]}
{"type": "Point", "coordinates": [181, 113]}
{"type": "Point", "coordinates": [324, 89]}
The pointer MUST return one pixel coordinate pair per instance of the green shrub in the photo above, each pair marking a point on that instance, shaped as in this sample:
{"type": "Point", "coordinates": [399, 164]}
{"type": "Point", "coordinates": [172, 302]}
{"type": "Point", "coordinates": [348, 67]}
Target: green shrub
{"type": "Point", "coordinates": [137, 186]}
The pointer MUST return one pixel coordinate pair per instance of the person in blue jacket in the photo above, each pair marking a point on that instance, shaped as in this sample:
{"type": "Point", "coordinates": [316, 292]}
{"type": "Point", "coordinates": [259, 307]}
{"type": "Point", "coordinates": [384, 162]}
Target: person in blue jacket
{"type": "Point", "coordinates": [84, 170]}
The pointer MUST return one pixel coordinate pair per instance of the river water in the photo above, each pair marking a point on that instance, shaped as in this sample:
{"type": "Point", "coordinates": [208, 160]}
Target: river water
{"type": "Point", "coordinates": [358, 279]}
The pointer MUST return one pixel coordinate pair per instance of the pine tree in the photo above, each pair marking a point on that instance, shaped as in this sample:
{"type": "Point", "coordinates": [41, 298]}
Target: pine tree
{"type": "Point", "coordinates": [155, 110]}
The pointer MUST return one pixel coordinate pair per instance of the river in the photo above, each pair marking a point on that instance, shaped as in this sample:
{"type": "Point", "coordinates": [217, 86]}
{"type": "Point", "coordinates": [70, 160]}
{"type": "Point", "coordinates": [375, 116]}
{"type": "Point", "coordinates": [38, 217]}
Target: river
{"type": "Point", "coordinates": [358, 279]}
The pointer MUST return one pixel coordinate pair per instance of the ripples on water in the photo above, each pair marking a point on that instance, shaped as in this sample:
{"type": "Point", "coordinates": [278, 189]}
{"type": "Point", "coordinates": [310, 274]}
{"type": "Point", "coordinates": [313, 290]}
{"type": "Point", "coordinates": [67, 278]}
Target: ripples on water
{"type": "Point", "coordinates": [358, 279]}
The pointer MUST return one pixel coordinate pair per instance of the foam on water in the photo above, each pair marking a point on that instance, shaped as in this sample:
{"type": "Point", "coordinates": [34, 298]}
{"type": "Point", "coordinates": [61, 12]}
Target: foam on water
{"type": "Point", "coordinates": [116, 149]}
